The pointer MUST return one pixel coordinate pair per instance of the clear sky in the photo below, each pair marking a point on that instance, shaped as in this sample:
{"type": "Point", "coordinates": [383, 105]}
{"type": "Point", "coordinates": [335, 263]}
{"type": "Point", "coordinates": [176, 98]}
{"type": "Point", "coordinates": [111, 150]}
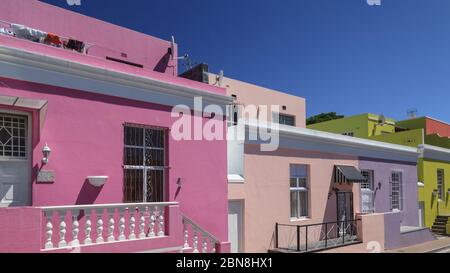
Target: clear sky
{"type": "Point", "coordinates": [341, 55]}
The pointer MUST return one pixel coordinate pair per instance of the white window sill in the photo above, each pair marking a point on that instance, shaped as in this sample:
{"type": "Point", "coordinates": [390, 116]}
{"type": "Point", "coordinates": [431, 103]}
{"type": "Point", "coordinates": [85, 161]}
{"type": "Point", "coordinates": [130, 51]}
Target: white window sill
{"type": "Point", "coordinates": [301, 219]}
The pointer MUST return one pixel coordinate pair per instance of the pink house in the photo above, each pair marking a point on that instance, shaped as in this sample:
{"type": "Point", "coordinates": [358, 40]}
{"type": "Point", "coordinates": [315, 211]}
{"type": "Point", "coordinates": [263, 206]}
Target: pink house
{"type": "Point", "coordinates": [315, 191]}
{"type": "Point", "coordinates": [87, 160]}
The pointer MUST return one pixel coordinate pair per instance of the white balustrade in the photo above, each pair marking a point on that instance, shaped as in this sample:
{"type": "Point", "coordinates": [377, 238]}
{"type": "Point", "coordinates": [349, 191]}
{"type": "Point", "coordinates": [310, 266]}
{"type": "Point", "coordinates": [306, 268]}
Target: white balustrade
{"type": "Point", "coordinates": [88, 229]}
{"type": "Point", "coordinates": [75, 228]}
{"type": "Point", "coordinates": [117, 217]}
{"type": "Point", "coordinates": [208, 242]}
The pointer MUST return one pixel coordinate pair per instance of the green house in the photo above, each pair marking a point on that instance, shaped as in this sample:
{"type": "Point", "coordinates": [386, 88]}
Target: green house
{"type": "Point", "coordinates": [431, 137]}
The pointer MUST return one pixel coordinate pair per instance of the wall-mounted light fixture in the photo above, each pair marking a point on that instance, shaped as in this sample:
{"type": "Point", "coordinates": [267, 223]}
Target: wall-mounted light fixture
{"type": "Point", "coordinates": [46, 152]}
{"type": "Point", "coordinates": [435, 193]}
{"type": "Point", "coordinates": [179, 182]}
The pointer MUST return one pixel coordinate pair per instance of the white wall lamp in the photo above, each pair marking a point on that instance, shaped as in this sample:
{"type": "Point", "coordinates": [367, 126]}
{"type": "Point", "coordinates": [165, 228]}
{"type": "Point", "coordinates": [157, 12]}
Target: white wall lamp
{"type": "Point", "coordinates": [46, 152]}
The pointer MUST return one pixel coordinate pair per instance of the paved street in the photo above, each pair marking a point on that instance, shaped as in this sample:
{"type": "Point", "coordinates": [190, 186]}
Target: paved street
{"type": "Point", "coordinates": [441, 245]}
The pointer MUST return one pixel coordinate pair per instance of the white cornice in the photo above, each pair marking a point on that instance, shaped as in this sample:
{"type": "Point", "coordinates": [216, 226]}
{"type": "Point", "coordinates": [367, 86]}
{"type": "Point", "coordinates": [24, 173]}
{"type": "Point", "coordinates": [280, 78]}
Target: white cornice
{"type": "Point", "coordinates": [434, 152]}
{"type": "Point", "coordinates": [26, 65]}
{"type": "Point", "coordinates": [335, 143]}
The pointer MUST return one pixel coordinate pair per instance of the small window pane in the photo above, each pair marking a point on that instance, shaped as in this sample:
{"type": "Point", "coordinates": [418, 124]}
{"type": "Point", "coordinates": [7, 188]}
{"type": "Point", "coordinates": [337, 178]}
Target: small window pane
{"type": "Point", "coordinates": [294, 204]}
{"type": "Point", "coordinates": [134, 156]}
{"type": "Point", "coordinates": [304, 204]}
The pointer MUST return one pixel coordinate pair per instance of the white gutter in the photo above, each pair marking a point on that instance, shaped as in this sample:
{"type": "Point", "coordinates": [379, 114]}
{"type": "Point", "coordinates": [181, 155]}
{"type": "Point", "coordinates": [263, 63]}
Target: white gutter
{"type": "Point", "coordinates": [434, 152]}
{"type": "Point", "coordinates": [335, 143]}
{"type": "Point", "coordinates": [28, 59]}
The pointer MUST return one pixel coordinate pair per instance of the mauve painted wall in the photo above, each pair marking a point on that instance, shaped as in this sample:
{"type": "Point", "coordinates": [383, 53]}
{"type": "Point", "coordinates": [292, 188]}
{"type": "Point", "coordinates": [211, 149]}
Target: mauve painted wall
{"type": "Point", "coordinates": [85, 133]}
{"type": "Point", "coordinates": [109, 40]}
{"type": "Point", "coordinates": [382, 172]}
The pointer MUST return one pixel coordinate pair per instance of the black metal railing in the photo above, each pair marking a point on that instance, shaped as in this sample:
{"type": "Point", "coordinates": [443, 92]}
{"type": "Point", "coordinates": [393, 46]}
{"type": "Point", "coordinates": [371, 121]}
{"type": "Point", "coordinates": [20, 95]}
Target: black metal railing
{"type": "Point", "coordinates": [315, 237]}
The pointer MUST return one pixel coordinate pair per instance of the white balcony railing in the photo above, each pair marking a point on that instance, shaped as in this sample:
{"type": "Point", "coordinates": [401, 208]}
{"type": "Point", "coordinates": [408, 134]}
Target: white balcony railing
{"type": "Point", "coordinates": [98, 224]}
{"type": "Point", "coordinates": [201, 239]}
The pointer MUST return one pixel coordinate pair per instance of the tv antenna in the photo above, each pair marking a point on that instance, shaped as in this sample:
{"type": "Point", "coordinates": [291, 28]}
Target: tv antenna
{"type": "Point", "coordinates": [172, 51]}
{"type": "Point", "coordinates": [412, 113]}
{"type": "Point", "coordinates": [219, 78]}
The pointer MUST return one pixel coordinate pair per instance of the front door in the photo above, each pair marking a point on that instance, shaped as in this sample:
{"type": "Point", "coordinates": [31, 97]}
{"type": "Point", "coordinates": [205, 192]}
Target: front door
{"type": "Point", "coordinates": [345, 206]}
{"type": "Point", "coordinates": [15, 188]}
{"type": "Point", "coordinates": [235, 226]}
{"type": "Point", "coordinates": [344, 209]}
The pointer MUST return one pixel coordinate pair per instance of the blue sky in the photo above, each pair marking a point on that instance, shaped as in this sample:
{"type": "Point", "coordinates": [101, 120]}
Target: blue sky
{"type": "Point", "coordinates": [341, 55]}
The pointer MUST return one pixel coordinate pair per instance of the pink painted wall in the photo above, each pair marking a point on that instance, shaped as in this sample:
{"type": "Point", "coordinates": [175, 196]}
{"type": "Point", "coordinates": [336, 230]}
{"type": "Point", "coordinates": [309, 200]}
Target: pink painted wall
{"type": "Point", "coordinates": [266, 193]}
{"type": "Point", "coordinates": [252, 94]}
{"type": "Point", "coordinates": [85, 133]}
{"type": "Point", "coordinates": [109, 40]}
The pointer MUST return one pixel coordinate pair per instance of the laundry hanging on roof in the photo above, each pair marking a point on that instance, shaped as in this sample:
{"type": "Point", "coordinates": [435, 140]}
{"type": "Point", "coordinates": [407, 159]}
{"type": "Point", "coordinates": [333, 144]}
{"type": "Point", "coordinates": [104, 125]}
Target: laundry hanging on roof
{"type": "Point", "coordinates": [52, 39]}
{"type": "Point", "coordinates": [31, 34]}
{"type": "Point", "coordinates": [75, 45]}
{"type": "Point", "coordinates": [6, 31]}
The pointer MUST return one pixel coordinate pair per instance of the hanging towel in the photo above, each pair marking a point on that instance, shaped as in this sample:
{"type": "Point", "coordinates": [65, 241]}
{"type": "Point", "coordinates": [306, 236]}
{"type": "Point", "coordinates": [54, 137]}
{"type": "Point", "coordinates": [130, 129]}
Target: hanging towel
{"type": "Point", "coordinates": [31, 34]}
{"type": "Point", "coordinates": [6, 31]}
{"type": "Point", "coordinates": [75, 45]}
{"type": "Point", "coordinates": [52, 39]}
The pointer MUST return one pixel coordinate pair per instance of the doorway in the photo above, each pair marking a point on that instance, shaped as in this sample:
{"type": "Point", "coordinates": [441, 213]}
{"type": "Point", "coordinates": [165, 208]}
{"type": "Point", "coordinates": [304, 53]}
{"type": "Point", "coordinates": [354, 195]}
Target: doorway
{"type": "Point", "coordinates": [235, 209]}
{"type": "Point", "coordinates": [15, 156]}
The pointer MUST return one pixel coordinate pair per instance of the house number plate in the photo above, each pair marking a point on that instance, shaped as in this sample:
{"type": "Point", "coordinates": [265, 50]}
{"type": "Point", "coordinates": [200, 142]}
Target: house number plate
{"type": "Point", "coordinates": [46, 177]}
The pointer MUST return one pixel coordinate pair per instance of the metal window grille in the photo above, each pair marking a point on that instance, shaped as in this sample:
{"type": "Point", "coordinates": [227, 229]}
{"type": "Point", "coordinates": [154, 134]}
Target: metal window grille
{"type": "Point", "coordinates": [367, 192]}
{"type": "Point", "coordinates": [396, 191]}
{"type": "Point", "coordinates": [13, 136]}
{"type": "Point", "coordinates": [286, 120]}
{"type": "Point", "coordinates": [144, 164]}
{"type": "Point", "coordinates": [440, 183]}
{"type": "Point", "coordinates": [299, 191]}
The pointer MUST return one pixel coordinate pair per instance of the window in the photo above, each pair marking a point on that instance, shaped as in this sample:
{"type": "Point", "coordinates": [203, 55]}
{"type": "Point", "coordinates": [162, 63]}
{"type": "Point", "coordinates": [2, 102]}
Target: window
{"type": "Point", "coordinates": [233, 116]}
{"type": "Point", "coordinates": [285, 119]}
{"type": "Point", "coordinates": [396, 191]}
{"type": "Point", "coordinates": [299, 191]}
{"type": "Point", "coordinates": [144, 164]}
{"type": "Point", "coordinates": [367, 192]}
{"type": "Point", "coordinates": [13, 136]}
{"type": "Point", "coordinates": [351, 134]}
{"type": "Point", "coordinates": [440, 183]}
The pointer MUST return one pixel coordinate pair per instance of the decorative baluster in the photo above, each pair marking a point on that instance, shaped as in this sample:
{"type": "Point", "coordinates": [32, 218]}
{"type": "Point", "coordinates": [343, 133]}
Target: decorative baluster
{"type": "Point", "coordinates": [152, 221]}
{"type": "Point", "coordinates": [88, 223]}
{"type": "Point", "coordinates": [186, 236]}
{"type": "Point", "coordinates": [205, 244]}
{"type": "Point", "coordinates": [62, 229]}
{"type": "Point", "coordinates": [49, 232]}
{"type": "Point", "coordinates": [195, 240]}
{"type": "Point", "coordinates": [111, 224]}
{"type": "Point", "coordinates": [99, 226]}
{"type": "Point", "coordinates": [142, 222]}
{"type": "Point", "coordinates": [75, 228]}
{"type": "Point", "coordinates": [132, 235]}
{"type": "Point", "coordinates": [161, 231]}
{"type": "Point", "coordinates": [213, 246]}
{"type": "Point", "coordinates": [122, 225]}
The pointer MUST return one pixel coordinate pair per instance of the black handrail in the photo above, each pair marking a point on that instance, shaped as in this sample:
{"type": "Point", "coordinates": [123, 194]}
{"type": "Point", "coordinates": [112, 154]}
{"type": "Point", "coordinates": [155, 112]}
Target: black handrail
{"type": "Point", "coordinates": [342, 228]}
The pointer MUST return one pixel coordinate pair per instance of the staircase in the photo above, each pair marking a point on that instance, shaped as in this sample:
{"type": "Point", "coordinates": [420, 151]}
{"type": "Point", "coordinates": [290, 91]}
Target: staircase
{"type": "Point", "coordinates": [440, 225]}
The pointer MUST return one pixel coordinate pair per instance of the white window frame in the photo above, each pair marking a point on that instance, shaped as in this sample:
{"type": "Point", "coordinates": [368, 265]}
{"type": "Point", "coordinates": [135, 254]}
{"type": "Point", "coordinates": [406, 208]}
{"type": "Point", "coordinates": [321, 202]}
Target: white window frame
{"type": "Point", "coordinates": [396, 205]}
{"type": "Point", "coordinates": [298, 189]}
{"type": "Point", "coordinates": [371, 188]}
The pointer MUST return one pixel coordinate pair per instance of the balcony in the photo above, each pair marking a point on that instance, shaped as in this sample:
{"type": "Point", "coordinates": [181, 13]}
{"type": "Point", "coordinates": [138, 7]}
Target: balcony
{"type": "Point", "coordinates": [316, 237]}
{"type": "Point", "coordinates": [120, 228]}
